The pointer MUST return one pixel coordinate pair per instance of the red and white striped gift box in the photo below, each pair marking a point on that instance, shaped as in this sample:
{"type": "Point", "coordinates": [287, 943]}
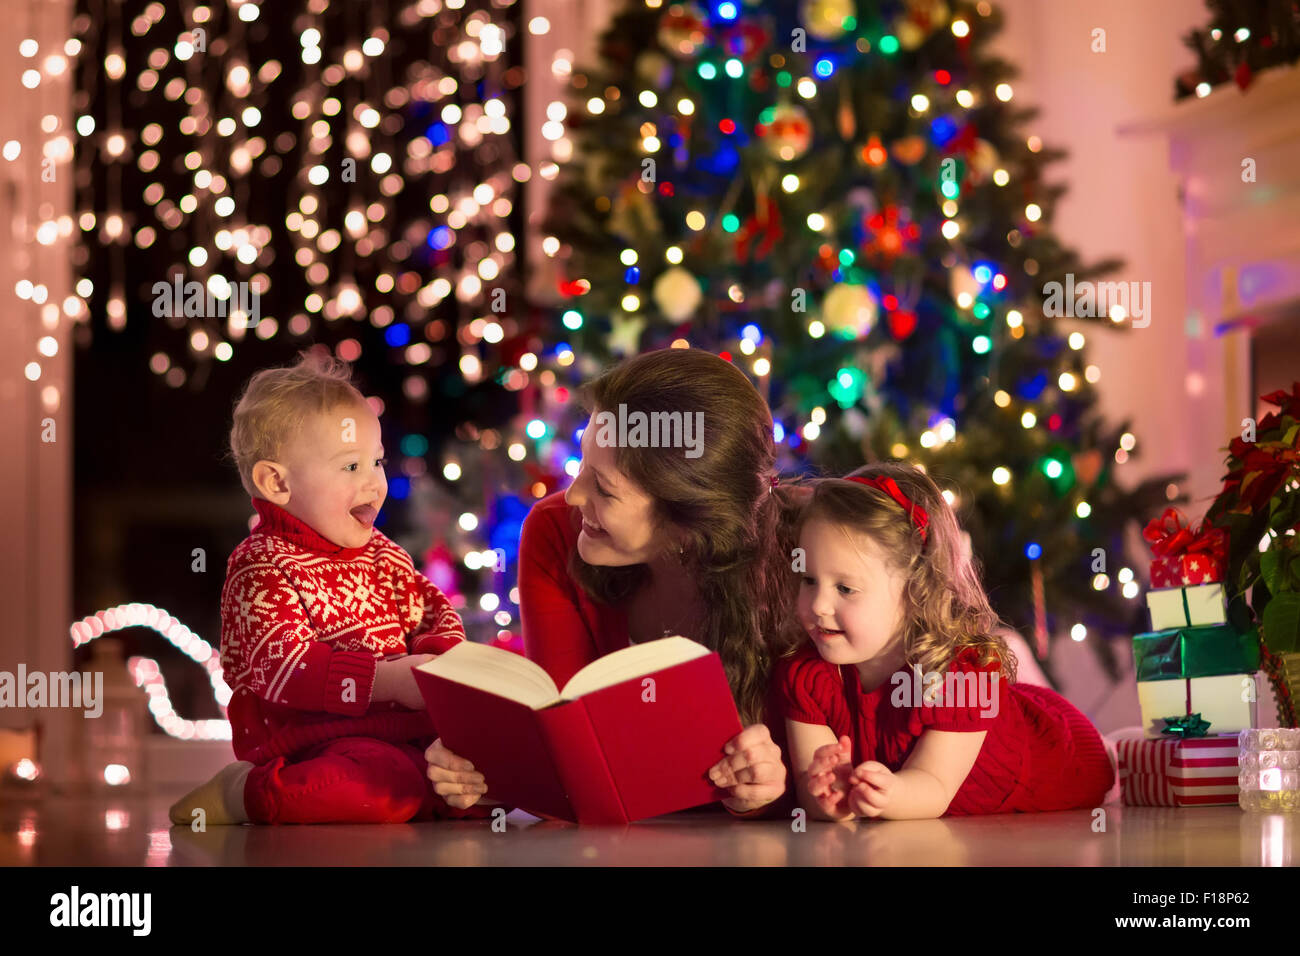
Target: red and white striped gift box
{"type": "Point", "coordinates": [1197, 772]}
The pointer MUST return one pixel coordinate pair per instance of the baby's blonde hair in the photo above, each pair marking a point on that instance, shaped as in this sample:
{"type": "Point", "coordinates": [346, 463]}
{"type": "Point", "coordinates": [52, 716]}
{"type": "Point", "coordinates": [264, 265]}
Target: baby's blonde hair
{"type": "Point", "coordinates": [277, 403]}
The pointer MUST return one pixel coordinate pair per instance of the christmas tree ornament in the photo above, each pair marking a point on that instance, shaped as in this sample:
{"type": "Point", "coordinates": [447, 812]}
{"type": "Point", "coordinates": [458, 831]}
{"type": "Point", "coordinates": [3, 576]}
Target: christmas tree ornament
{"type": "Point", "coordinates": [787, 132]}
{"type": "Point", "coordinates": [845, 120]}
{"type": "Point", "coordinates": [902, 323]}
{"type": "Point", "coordinates": [873, 152]}
{"type": "Point", "coordinates": [633, 212]}
{"type": "Point", "coordinates": [654, 70]}
{"type": "Point", "coordinates": [745, 41]}
{"type": "Point", "coordinates": [910, 35]}
{"type": "Point", "coordinates": [759, 233]}
{"type": "Point", "coordinates": [683, 29]}
{"type": "Point", "coordinates": [677, 293]}
{"type": "Point", "coordinates": [890, 232]}
{"type": "Point", "coordinates": [983, 162]}
{"type": "Point", "coordinates": [824, 19]}
{"type": "Point", "coordinates": [1087, 466]}
{"type": "Point", "coordinates": [863, 200]}
{"type": "Point", "coordinates": [922, 17]}
{"type": "Point", "coordinates": [855, 423]}
{"type": "Point", "coordinates": [625, 334]}
{"type": "Point", "coordinates": [849, 310]}
{"type": "Point", "coordinates": [909, 150]}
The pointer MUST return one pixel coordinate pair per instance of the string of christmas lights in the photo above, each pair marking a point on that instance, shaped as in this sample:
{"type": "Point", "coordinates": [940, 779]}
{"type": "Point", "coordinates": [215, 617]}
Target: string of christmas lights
{"type": "Point", "coordinates": [146, 673]}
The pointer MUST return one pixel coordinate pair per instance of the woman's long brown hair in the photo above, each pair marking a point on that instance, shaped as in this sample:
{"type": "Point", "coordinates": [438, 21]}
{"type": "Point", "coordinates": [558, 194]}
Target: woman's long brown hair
{"type": "Point", "coordinates": [737, 530]}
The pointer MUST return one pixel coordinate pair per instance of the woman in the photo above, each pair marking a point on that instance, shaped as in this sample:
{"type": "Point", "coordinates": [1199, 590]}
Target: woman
{"type": "Point", "coordinates": [655, 541]}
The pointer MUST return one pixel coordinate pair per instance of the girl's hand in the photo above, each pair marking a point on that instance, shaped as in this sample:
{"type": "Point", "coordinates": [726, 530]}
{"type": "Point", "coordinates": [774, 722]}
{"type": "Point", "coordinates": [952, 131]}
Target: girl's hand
{"type": "Point", "coordinates": [872, 786]}
{"type": "Point", "coordinates": [827, 778]}
{"type": "Point", "coordinates": [752, 770]}
{"type": "Point", "coordinates": [454, 778]}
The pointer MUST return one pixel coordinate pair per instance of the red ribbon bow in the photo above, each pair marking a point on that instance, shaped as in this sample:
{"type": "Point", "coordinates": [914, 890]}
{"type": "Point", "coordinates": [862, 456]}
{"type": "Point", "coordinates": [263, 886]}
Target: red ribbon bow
{"type": "Point", "coordinates": [1170, 536]}
{"type": "Point", "coordinates": [765, 227]}
{"type": "Point", "coordinates": [890, 487]}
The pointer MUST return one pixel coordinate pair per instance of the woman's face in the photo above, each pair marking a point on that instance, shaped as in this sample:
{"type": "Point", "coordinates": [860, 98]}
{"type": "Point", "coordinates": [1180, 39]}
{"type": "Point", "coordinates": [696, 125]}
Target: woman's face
{"type": "Point", "coordinates": [617, 515]}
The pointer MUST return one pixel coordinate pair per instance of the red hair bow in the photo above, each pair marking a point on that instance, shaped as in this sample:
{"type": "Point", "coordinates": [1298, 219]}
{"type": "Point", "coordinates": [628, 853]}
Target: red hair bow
{"type": "Point", "coordinates": [890, 487]}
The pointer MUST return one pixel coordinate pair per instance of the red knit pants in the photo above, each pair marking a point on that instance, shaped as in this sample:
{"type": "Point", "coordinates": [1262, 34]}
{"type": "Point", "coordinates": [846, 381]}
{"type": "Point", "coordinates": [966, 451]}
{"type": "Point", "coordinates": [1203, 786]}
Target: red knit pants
{"type": "Point", "coordinates": [349, 780]}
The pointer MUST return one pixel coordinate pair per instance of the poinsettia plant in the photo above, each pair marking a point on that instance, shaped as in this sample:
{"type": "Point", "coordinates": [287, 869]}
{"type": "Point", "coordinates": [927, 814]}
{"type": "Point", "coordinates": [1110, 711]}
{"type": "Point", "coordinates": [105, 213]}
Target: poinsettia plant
{"type": "Point", "coordinates": [1259, 507]}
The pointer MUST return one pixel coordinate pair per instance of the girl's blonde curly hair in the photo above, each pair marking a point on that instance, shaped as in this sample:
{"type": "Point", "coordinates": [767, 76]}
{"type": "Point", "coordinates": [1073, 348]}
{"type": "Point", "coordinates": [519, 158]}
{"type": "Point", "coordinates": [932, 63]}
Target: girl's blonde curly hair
{"type": "Point", "coordinates": [945, 608]}
{"type": "Point", "coordinates": [277, 403]}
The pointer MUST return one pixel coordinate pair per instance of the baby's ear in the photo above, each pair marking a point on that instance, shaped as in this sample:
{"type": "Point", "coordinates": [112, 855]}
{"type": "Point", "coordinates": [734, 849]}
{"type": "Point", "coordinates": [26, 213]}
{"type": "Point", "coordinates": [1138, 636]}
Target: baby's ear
{"type": "Point", "coordinates": [272, 480]}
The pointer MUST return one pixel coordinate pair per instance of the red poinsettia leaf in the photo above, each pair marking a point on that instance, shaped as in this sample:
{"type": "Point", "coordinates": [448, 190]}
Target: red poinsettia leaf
{"type": "Point", "coordinates": [1238, 447]}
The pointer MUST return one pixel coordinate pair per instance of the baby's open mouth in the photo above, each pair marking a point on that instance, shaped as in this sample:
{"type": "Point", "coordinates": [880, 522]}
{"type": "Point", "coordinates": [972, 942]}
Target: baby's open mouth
{"type": "Point", "coordinates": [365, 514]}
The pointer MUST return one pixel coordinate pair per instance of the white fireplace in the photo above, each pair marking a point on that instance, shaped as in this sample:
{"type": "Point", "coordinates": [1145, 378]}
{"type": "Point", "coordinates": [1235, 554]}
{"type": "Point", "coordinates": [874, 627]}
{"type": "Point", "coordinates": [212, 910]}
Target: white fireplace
{"type": "Point", "coordinates": [1236, 156]}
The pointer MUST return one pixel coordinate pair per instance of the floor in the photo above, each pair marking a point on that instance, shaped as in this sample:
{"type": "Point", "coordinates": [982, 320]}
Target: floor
{"type": "Point", "coordinates": [121, 830]}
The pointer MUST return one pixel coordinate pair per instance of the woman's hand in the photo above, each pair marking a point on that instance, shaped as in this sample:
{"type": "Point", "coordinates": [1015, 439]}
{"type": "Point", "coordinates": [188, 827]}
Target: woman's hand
{"type": "Point", "coordinates": [752, 770]}
{"type": "Point", "coordinates": [872, 788]}
{"type": "Point", "coordinates": [828, 777]}
{"type": "Point", "coordinates": [454, 778]}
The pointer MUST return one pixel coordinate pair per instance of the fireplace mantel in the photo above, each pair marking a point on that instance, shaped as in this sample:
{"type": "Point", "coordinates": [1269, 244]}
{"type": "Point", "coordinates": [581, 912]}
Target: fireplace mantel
{"type": "Point", "coordinates": [1242, 242]}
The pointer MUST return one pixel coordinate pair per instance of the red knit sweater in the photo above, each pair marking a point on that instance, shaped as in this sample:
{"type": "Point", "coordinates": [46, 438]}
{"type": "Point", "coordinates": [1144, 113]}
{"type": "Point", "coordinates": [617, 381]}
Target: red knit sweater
{"type": "Point", "coordinates": [1041, 753]}
{"type": "Point", "coordinates": [301, 615]}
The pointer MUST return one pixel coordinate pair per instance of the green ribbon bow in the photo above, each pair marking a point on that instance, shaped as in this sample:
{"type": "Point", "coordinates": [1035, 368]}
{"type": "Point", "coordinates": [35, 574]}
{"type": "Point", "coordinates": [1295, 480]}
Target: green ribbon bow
{"type": "Point", "coordinates": [1189, 725]}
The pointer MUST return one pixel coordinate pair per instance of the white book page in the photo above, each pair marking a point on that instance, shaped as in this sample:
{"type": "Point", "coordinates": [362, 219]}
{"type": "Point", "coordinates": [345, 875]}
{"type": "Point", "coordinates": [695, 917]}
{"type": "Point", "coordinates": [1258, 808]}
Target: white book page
{"type": "Point", "coordinates": [496, 671]}
{"type": "Point", "coordinates": [630, 662]}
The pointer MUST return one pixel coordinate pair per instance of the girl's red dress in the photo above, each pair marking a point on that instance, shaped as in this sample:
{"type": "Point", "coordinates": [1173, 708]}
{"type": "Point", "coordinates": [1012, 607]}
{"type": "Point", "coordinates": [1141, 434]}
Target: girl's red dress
{"type": "Point", "coordinates": [1041, 753]}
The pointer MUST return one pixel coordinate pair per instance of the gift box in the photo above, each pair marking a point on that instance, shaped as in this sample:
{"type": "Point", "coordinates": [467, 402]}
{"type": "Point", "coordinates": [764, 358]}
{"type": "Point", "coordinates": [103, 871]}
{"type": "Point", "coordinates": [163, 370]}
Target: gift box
{"type": "Point", "coordinates": [1184, 569]}
{"type": "Point", "coordinates": [1186, 652]}
{"type": "Point", "coordinates": [1195, 606]}
{"type": "Point", "coordinates": [1183, 555]}
{"type": "Point", "coordinates": [1206, 670]}
{"type": "Point", "coordinates": [1177, 772]}
{"type": "Point", "coordinates": [1268, 776]}
{"type": "Point", "coordinates": [1219, 701]}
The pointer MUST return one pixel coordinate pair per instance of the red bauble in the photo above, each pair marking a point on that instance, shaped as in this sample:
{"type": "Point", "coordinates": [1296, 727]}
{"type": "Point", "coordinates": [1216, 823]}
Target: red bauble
{"type": "Point", "coordinates": [902, 323]}
{"type": "Point", "coordinates": [1243, 76]}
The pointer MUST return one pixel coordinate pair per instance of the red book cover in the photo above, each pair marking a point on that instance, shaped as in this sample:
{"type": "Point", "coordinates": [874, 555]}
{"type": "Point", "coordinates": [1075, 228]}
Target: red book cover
{"type": "Point", "coordinates": [638, 748]}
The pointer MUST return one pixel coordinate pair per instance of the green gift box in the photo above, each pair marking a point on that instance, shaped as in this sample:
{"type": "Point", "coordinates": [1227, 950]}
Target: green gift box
{"type": "Point", "coordinates": [1186, 652]}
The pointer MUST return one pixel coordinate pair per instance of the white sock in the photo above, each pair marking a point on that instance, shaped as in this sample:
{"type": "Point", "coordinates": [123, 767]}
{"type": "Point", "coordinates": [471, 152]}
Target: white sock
{"type": "Point", "coordinates": [232, 788]}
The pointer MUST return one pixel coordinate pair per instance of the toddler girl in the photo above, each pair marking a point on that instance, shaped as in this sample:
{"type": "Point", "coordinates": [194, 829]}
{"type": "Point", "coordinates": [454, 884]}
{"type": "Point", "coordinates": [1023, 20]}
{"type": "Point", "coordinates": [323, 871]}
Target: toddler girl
{"type": "Point", "coordinates": [898, 693]}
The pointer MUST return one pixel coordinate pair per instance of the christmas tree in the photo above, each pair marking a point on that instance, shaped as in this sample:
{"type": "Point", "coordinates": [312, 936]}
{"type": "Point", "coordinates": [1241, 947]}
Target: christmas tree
{"type": "Point", "coordinates": [838, 197]}
{"type": "Point", "coordinates": [1242, 38]}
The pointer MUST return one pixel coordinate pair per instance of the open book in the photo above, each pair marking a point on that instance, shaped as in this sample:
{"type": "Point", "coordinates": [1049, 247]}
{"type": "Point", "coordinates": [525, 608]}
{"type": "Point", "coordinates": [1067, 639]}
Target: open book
{"type": "Point", "coordinates": [631, 735]}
